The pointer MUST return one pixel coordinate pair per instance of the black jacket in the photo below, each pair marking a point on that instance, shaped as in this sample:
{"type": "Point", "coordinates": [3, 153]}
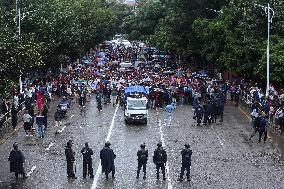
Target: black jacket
{"type": "Point", "coordinates": [17, 160]}
{"type": "Point", "coordinates": [70, 155]}
{"type": "Point", "coordinates": [107, 157]}
{"type": "Point", "coordinates": [160, 156]}
{"type": "Point", "coordinates": [186, 157]}
{"type": "Point", "coordinates": [87, 154]}
{"type": "Point", "coordinates": [142, 156]}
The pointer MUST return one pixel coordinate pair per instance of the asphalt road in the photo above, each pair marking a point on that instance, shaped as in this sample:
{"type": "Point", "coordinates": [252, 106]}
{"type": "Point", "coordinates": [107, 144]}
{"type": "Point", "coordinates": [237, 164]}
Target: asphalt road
{"type": "Point", "coordinates": [223, 157]}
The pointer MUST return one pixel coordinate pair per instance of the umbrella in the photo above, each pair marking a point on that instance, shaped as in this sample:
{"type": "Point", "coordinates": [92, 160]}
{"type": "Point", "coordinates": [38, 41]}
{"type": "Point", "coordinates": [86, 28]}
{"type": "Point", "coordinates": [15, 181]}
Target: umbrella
{"type": "Point", "coordinates": [101, 54]}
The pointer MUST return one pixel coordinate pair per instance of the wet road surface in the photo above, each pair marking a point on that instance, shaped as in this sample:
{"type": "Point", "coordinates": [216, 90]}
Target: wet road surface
{"type": "Point", "coordinates": [223, 157]}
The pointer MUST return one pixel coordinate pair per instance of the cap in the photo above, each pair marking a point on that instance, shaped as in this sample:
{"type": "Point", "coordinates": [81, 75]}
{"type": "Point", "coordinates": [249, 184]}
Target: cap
{"type": "Point", "coordinates": [143, 145]}
{"type": "Point", "coordinates": [159, 144]}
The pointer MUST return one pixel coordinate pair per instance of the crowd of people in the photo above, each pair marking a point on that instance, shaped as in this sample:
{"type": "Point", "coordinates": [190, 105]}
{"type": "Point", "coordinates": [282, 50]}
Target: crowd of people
{"type": "Point", "coordinates": [167, 87]}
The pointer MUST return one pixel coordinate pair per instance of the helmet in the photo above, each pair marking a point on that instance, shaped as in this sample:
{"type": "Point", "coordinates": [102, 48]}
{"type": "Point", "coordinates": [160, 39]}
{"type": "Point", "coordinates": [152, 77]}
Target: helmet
{"type": "Point", "coordinates": [107, 144]}
{"type": "Point", "coordinates": [159, 144]}
{"type": "Point", "coordinates": [187, 145]}
{"type": "Point", "coordinates": [143, 145]}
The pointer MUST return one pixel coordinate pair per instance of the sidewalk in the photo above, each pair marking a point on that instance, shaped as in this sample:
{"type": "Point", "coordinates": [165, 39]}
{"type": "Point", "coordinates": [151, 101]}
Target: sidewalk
{"type": "Point", "coordinates": [277, 140]}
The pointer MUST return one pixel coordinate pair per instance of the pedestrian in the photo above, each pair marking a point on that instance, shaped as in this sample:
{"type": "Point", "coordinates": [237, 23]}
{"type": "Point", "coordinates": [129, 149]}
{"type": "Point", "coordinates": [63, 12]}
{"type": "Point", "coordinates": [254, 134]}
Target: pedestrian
{"type": "Point", "coordinates": [99, 101]}
{"type": "Point", "coordinates": [160, 160]}
{"type": "Point", "coordinates": [262, 128]}
{"type": "Point", "coordinates": [186, 162]}
{"type": "Point", "coordinates": [17, 160]}
{"type": "Point", "coordinates": [57, 118]}
{"type": "Point", "coordinates": [142, 155]}
{"type": "Point", "coordinates": [107, 157]}
{"type": "Point", "coordinates": [27, 122]}
{"type": "Point", "coordinates": [40, 125]}
{"type": "Point", "coordinates": [198, 114]}
{"type": "Point", "coordinates": [14, 114]}
{"type": "Point", "coordinates": [87, 153]}
{"type": "Point", "coordinates": [70, 159]}
{"type": "Point", "coordinates": [169, 109]}
{"type": "Point", "coordinates": [32, 113]}
{"type": "Point", "coordinates": [256, 123]}
{"type": "Point", "coordinates": [44, 113]}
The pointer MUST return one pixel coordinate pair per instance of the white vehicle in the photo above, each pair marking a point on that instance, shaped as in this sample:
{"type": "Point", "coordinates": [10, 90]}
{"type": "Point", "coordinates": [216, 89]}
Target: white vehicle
{"type": "Point", "coordinates": [136, 110]}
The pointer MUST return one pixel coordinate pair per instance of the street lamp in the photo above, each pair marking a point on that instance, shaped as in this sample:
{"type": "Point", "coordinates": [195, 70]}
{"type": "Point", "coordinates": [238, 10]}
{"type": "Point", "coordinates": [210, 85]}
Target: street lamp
{"type": "Point", "coordinates": [270, 14]}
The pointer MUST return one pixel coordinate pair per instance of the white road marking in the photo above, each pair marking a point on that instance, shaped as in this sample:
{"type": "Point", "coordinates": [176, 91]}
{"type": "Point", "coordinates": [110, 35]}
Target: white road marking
{"type": "Point", "coordinates": [31, 171]}
{"type": "Point", "coordinates": [170, 186]}
{"type": "Point", "coordinates": [72, 116]}
{"type": "Point", "coordinates": [216, 134]}
{"type": "Point", "coordinates": [49, 146]}
{"type": "Point", "coordinates": [99, 169]}
{"type": "Point", "coordinates": [61, 130]}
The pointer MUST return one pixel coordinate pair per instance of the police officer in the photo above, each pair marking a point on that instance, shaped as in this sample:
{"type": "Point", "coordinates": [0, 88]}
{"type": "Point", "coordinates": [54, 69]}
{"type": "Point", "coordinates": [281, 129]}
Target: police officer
{"type": "Point", "coordinates": [107, 157]}
{"type": "Point", "coordinates": [87, 161]}
{"type": "Point", "coordinates": [160, 160]}
{"type": "Point", "coordinates": [17, 160]}
{"type": "Point", "coordinates": [142, 160]}
{"type": "Point", "coordinates": [198, 114]}
{"type": "Point", "coordinates": [186, 162]}
{"type": "Point", "coordinates": [70, 159]}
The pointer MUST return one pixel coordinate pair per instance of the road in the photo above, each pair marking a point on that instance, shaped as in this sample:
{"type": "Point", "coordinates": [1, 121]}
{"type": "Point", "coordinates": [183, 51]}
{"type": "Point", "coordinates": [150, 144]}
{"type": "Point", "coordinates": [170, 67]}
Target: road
{"type": "Point", "coordinates": [223, 157]}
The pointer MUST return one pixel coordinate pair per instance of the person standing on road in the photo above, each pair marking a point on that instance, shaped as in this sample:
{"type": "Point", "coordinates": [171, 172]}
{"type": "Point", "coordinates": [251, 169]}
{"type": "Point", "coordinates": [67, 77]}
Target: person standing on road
{"type": "Point", "coordinates": [262, 128]}
{"type": "Point", "coordinates": [160, 160]}
{"type": "Point", "coordinates": [99, 101]}
{"type": "Point", "coordinates": [57, 118]}
{"type": "Point", "coordinates": [169, 109]}
{"type": "Point", "coordinates": [198, 114]}
{"type": "Point", "coordinates": [14, 113]}
{"type": "Point", "coordinates": [27, 122]}
{"type": "Point", "coordinates": [107, 157]}
{"type": "Point", "coordinates": [44, 113]}
{"type": "Point", "coordinates": [256, 122]}
{"type": "Point", "coordinates": [17, 160]}
{"type": "Point", "coordinates": [142, 155]}
{"type": "Point", "coordinates": [186, 162]}
{"type": "Point", "coordinates": [40, 125]}
{"type": "Point", "coordinates": [87, 161]}
{"type": "Point", "coordinates": [70, 159]}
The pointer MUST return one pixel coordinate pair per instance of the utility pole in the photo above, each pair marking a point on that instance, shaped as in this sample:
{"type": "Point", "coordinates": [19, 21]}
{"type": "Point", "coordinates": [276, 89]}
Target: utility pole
{"type": "Point", "coordinates": [18, 23]}
{"type": "Point", "coordinates": [270, 14]}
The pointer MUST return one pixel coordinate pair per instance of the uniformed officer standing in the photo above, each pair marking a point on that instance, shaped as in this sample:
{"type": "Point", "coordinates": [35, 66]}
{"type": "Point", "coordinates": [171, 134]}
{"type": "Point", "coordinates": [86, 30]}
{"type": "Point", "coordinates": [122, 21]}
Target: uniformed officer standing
{"type": "Point", "coordinates": [186, 162]}
{"type": "Point", "coordinates": [160, 160]}
{"type": "Point", "coordinates": [17, 160]}
{"type": "Point", "coordinates": [142, 160]}
{"type": "Point", "coordinates": [70, 159]}
{"type": "Point", "coordinates": [87, 161]}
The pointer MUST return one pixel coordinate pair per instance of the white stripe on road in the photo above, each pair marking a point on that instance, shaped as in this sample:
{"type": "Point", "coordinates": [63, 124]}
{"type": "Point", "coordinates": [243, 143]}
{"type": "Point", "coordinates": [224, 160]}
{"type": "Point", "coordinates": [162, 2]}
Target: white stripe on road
{"type": "Point", "coordinates": [72, 116]}
{"type": "Point", "coordinates": [61, 130]}
{"type": "Point", "coordinates": [31, 171]}
{"type": "Point", "coordinates": [99, 169]}
{"type": "Point", "coordinates": [170, 186]}
{"type": "Point", "coordinates": [49, 146]}
{"type": "Point", "coordinates": [216, 134]}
